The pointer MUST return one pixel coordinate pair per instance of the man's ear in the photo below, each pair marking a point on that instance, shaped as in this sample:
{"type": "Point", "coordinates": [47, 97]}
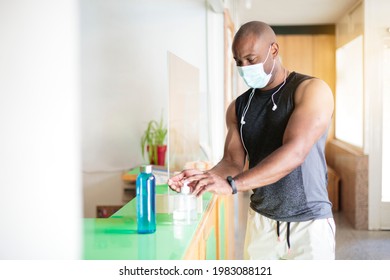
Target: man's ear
{"type": "Point", "coordinates": [274, 49]}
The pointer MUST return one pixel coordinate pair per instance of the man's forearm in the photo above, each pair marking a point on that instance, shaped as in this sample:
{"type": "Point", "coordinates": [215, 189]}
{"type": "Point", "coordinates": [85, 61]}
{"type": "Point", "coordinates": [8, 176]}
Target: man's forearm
{"type": "Point", "coordinates": [277, 165]}
{"type": "Point", "coordinates": [226, 168]}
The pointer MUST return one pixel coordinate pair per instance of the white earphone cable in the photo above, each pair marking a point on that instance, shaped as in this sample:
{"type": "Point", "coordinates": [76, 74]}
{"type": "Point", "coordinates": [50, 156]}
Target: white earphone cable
{"type": "Point", "coordinates": [272, 96]}
{"type": "Point", "coordinates": [243, 121]}
{"type": "Point", "coordinates": [246, 108]}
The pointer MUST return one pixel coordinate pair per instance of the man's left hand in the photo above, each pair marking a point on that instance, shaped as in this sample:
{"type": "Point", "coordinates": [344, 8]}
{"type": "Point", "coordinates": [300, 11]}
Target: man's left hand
{"type": "Point", "coordinates": [209, 182]}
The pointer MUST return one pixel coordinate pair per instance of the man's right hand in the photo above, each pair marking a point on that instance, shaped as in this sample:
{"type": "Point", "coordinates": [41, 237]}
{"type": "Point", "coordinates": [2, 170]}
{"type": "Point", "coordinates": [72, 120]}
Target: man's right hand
{"type": "Point", "coordinates": [177, 181]}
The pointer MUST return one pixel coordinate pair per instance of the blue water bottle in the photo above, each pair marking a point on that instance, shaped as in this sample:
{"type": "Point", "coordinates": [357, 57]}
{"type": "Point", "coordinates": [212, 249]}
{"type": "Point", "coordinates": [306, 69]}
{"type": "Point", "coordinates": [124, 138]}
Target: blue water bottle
{"type": "Point", "coordinates": [146, 200]}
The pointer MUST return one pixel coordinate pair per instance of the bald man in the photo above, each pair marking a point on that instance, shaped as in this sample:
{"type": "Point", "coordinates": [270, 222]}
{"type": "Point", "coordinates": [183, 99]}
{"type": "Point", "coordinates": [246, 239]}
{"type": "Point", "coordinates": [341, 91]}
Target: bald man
{"type": "Point", "coordinates": [280, 126]}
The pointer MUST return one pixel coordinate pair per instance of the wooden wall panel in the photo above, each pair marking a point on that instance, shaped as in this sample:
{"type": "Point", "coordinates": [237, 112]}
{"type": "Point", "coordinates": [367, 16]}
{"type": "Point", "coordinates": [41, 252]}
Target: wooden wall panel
{"type": "Point", "coordinates": [352, 166]}
{"type": "Point", "coordinates": [324, 59]}
{"type": "Point", "coordinates": [312, 55]}
{"type": "Point", "coordinates": [296, 52]}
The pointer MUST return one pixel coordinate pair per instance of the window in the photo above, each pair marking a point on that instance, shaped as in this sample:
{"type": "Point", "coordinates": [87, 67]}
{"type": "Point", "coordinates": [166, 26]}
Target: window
{"type": "Point", "coordinates": [386, 127]}
{"type": "Point", "coordinates": [349, 92]}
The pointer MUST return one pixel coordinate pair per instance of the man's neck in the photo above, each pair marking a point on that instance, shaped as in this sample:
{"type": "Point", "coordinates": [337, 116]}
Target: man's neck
{"type": "Point", "coordinates": [280, 75]}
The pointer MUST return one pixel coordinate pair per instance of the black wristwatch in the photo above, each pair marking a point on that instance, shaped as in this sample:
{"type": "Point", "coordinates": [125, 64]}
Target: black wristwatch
{"type": "Point", "coordinates": [232, 184]}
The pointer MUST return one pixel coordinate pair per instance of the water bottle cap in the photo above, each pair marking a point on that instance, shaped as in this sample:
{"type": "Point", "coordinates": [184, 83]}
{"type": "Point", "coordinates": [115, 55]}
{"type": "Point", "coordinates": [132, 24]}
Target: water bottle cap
{"type": "Point", "coordinates": [185, 189]}
{"type": "Point", "coordinates": [146, 169]}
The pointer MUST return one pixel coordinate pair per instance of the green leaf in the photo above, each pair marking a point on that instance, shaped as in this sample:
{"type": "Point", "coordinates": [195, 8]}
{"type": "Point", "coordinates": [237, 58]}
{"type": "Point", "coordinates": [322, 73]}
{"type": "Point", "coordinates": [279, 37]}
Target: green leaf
{"type": "Point", "coordinates": [154, 135]}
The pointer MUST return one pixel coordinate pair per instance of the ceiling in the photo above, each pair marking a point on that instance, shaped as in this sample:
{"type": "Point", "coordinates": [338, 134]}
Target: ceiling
{"type": "Point", "coordinates": [293, 12]}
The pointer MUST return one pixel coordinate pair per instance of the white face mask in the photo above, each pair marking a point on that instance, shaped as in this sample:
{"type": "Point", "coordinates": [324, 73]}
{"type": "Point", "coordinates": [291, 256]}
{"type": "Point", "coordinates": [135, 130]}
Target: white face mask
{"type": "Point", "coordinates": [254, 75]}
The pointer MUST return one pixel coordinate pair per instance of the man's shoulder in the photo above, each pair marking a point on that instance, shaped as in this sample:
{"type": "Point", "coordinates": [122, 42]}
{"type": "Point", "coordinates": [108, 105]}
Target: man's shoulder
{"type": "Point", "coordinates": [301, 77]}
{"type": "Point", "coordinates": [242, 100]}
{"type": "Point", "coordinates": [303, 80]}
{"type": "Point", "coordinates": [244, 96]}
{"type": "Point", "coordinates": [313, 87]}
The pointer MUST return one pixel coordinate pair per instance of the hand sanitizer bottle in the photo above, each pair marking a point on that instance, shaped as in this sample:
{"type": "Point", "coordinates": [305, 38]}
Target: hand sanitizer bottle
{"type": "Point", "coordinates": [185, 206]}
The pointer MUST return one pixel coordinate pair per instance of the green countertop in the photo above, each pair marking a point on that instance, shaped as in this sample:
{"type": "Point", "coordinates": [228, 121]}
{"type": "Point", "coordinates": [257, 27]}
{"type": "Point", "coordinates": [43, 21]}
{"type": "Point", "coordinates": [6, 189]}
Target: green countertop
{"type": "Point", "coordinates": [116, 238]}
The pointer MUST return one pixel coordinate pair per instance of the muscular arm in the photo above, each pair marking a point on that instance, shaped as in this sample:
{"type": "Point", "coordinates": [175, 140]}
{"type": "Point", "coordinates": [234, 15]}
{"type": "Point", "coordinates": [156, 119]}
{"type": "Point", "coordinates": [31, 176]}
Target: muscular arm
{"type": "Point", "coordinates": [231, 164]}
{"type": "Point", "coordinates": [233, 159]}
{"type": "Point", "coordinates": [308, 122]}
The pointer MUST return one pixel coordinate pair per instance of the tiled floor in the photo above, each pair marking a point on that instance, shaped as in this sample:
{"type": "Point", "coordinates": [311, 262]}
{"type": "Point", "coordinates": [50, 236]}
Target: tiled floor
{"type": "Point", "coordinates": [351, 244]}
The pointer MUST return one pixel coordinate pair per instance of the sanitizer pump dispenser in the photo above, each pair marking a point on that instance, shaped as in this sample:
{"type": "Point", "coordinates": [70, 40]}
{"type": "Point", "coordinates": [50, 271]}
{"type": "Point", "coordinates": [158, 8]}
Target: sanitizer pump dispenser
{"type": "Point", "coordinates": [185, 206]}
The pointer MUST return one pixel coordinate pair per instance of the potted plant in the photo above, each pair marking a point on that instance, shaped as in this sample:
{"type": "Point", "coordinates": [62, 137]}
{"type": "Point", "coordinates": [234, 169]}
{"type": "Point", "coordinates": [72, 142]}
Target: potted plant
{"type": "Point", "coordinates": [153, 141]}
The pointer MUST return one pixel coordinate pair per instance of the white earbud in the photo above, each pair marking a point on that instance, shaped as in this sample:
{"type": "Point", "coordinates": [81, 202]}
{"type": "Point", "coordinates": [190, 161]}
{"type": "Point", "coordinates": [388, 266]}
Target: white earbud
{"type": "Point", "coordinates": [272, 96]}
{"type": "Point", "coordinates": [242, 120]}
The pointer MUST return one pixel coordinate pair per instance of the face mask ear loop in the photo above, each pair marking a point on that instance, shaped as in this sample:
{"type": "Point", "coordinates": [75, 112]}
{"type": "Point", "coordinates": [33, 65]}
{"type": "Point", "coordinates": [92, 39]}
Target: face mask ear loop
{"type": "Point", "coordinates": [269, 51]}
{"type": "Point", "coordinates": [273, 65]}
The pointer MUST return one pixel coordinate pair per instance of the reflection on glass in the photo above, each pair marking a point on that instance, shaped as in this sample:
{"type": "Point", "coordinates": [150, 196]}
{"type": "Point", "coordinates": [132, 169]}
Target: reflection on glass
{"type": "Point", "coordinates": [146, 246]}
{"type": "Point", "coordinates": [183, 124]}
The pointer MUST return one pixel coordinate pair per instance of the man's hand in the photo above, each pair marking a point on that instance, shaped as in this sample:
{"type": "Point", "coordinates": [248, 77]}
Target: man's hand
{"type": "Point", "coordinates": [210, 182]}
{"type": "Point", "coordinates": [177, 181]}
{"type": "Point", "coordinates": [200, 182]}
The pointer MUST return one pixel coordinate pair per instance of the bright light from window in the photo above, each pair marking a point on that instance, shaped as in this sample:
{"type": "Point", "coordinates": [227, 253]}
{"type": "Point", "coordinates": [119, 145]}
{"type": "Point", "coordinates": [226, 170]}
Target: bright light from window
{"type": "Point", "coordinates": [386, 128]}
{"type": "Point", "coordinates": [349, 92]}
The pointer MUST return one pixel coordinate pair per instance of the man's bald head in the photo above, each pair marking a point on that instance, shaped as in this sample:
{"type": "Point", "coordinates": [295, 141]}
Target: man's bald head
{"type": "Point", "coordinates": [256, 28]}
{"type": "Point", "coordinates": [254, 43]}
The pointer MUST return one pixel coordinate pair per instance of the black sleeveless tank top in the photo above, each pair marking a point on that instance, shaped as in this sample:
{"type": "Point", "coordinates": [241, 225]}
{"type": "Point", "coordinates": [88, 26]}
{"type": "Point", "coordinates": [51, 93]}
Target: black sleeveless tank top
{"type": "Point", "coordinates": [300, 195]}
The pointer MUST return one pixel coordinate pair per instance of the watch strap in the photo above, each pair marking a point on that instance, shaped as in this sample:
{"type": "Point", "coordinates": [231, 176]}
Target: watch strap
{"type": "Point", "coordinates": [232, 183]}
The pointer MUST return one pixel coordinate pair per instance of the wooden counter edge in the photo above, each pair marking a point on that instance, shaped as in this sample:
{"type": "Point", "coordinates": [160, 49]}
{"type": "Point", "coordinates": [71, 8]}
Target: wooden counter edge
{"type": "Point", "coordinates": [194, 251]}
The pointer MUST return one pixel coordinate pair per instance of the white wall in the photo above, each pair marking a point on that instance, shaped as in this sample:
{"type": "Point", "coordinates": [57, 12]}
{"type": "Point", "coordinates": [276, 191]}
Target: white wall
{"type": "Point", "coordinates": [40, 188]}
{"type": "Point", "coordinates": [124, 45]}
